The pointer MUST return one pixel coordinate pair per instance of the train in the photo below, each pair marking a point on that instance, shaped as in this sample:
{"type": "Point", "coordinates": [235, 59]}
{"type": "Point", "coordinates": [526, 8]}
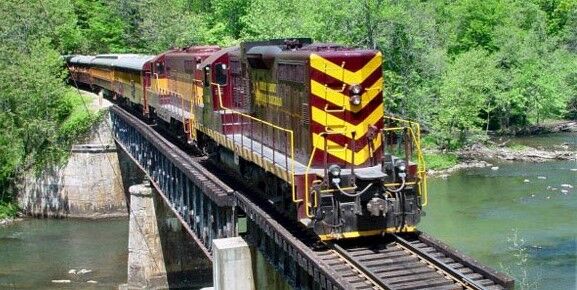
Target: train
{"type": "Point", "coordinates": [300, 122]}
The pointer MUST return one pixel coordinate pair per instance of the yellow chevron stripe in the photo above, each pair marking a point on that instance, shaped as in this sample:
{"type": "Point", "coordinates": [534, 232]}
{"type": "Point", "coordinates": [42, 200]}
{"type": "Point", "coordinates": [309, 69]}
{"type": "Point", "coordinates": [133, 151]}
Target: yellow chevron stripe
{"type": "Point", "coordinates": [345, 75]}
{"type": "Point", "coordinates": [337, 98]}
{"type": "Point", "coordinates": [360, 130]}
{"type": "Point", "coordinates": [361, 156]}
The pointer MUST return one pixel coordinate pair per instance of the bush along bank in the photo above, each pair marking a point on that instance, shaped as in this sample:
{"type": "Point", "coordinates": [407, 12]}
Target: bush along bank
{"type": "Point", "coordinates": [74, 118]}
{"type": "Point", "coordinates": [442, 164]}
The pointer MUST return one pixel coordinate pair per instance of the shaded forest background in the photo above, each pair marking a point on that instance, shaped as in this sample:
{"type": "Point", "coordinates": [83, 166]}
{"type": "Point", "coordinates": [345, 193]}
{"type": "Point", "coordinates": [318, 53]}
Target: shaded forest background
{"type": "Point", "coordinates": [460, 67]}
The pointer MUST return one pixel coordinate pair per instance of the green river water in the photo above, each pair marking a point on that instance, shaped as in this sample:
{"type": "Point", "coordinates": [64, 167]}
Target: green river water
{"type": "Point", "coordinates": [34, 252]}
{"type": "Point", "coordinates": [528, 229]}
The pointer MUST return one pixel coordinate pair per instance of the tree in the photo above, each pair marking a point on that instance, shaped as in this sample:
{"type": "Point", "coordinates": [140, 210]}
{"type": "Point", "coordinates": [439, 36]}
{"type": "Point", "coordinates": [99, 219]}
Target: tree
{"type": "Point", "coordinates": [31, 85]}
{"type": "Point", "coordinates": [469, 82]}
{"type": "Point", "coordinates": [102, 30]}
{"type": "Point", "coordinates": [475, 22]}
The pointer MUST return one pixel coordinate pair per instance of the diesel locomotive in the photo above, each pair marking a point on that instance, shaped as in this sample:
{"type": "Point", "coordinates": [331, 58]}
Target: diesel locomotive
{"type": "Point", "coordinates": [300, 122]}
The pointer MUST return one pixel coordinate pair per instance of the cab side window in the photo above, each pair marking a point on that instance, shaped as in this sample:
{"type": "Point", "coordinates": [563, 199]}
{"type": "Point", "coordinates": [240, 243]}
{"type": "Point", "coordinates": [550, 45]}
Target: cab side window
{"type": "Point", "coordinates": [160, 68]}
{"type": "Point", "coordinates": [207, 79]}
{"type": "Point", "coordinates": [221, 74]}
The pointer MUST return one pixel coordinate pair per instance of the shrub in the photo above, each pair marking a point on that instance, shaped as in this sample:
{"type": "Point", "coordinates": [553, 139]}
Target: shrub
{"type": "Point", "coordinates": [439, 161]}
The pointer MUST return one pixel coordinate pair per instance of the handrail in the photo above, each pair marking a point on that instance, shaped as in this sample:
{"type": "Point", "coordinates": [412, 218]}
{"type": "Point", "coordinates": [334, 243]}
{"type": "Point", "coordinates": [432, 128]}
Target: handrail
{"type": "Point", "coordinates": [290, 133]}
{"type": "Point", "coordinates": [309, 164]}
{"type": "Point", "coordinates": [307, 211]}
{"type": "Point", "coordinates": [414, 130]}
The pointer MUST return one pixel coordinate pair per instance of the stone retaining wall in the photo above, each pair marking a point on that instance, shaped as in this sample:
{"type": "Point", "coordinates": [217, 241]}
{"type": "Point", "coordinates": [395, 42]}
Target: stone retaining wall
{"type": "Point", "coordinates": [89, 185]}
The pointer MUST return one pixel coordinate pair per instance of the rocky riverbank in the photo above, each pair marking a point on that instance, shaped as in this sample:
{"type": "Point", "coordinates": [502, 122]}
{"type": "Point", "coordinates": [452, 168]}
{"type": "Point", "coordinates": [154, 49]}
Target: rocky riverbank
{"type": "Point", "coordinates": [444, 173]}
{"type": "Point", "coordinates": [479, 155]}
{"type": "Point", "coordinates": [8, 221]}
{"type": "Point", "coordinates": [525, 153]}
{"type": "Point", "coordinates": [546, 128]}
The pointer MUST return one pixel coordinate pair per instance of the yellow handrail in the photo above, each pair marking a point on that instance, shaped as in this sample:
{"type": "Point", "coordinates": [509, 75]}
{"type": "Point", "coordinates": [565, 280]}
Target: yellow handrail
{"type": "Point", "coordinates": [289, 132]}
{"type": "Point", "coordinates": [307, 211]}
{"type": "Point", "coordinates": [309, 164]}
{"type": "Point", "coordinates": [415, 130]}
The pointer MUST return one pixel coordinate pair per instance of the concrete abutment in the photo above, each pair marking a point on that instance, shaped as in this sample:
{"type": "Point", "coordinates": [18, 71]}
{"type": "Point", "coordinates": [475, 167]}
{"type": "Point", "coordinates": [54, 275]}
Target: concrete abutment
{"type": "Point", "coordinates": [161, 254]}
{"type": "Point", "coordinates": [91, 184]}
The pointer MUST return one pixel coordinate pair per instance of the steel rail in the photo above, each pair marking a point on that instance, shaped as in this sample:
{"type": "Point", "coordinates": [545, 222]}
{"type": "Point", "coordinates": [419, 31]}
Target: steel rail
{"type": "Point", "coordinates": [362, 269]}
{"type": "Point", "coordinates": [436, 263]}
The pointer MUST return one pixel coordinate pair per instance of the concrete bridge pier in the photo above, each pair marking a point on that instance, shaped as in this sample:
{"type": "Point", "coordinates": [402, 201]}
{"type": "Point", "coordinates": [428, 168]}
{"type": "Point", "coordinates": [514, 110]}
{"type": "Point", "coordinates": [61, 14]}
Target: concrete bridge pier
{"type": "Point", "coordinates": [232, 268]}
{"type": "Point", "coordinates": [146, 268]}
{"type": "Point", "coordinates": [161, 254]}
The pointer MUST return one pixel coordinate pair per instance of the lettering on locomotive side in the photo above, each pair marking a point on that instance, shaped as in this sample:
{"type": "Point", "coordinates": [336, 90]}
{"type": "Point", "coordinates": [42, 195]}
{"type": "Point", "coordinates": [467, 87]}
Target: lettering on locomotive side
{"type": "Point", "coordinates": [265, 94]}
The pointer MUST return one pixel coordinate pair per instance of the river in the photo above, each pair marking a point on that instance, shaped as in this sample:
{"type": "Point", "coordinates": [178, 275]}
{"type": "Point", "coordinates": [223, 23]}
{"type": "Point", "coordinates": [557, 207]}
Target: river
{"type": "Point", "coordinates": [33, 252]}
{"type": "Point", "coordinates": [528, 229]}
{"type": "Point", "coordinates": [515, 219]}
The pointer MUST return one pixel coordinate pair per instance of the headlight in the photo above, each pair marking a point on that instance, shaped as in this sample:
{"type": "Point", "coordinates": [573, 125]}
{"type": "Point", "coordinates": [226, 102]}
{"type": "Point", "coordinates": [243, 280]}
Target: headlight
{"type": "Point", "coordinates": [355, 94]}
{"type": "Point", "coordinates": [356, 90]}
{"type": "Point", "coordinates": [335, 170]}
{"type": "Point", "coordinates": [355, 100]}
{"type": "Point", "coordinates": [401, 166]}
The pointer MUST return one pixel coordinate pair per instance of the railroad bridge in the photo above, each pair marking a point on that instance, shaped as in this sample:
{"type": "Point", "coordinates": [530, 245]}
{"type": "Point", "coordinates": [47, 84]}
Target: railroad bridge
{"type": "Point", "coordinates": [209, 205]}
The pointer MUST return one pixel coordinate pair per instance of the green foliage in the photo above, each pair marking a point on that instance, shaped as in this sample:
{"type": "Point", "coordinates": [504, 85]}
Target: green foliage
{"type": "Point", "coordinates": [102, 31]}
{"type": "Point", "coordinates": [164, 26]}
{"type": "Point", "coordinates": [8, 209]}
{"type": "Point", "coordinates": [518, 147]}
{"type": "Point", "coordinates": [440, 161]}
{"type": "Point", "coordinates": [30, 88]}
{"type": "Point", "coordinates": [34, 101]}
{"type": "Point", "coordinates": [469, 82]}
{"type": "Point", "coordinates": [474, 24]}
{"type": "Point", "coordinates": [79, 118]}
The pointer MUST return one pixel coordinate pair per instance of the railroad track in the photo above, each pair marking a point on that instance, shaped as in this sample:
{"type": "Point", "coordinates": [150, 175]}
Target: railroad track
{"type": "Point", "coordinates": [392, 262]}
{"type": "Point", "coordinates": [412, 262]}
{"type": "Point", "coordinates": [408, 263]}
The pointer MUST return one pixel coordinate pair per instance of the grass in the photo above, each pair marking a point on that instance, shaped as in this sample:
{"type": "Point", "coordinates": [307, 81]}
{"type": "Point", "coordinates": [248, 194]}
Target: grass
{"type": "Point", "coordinates": [439, 161]}
{"type": "Point", "coordinates": [79, 119]}
{"type": "Point", "coordinates": [517, 147]}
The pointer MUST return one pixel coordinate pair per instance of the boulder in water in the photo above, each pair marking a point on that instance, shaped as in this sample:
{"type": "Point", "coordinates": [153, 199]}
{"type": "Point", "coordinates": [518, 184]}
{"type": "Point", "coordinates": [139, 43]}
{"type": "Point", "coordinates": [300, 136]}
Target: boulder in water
{"type": "Point", "coordinates": [60, 281]}
{"type": "Point", "coordinates": [83, 271]}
